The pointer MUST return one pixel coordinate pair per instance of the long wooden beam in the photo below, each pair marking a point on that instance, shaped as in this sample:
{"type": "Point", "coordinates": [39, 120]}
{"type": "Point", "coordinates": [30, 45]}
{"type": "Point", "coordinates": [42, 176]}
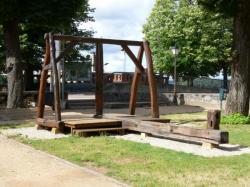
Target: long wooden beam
{"type": "Point", "coordinates": [151, 81]}
{"type": "Point", "coordinates": [169, 130]}
{"type": "Point", "coordinates": [99, 79]}
{"type": "Point", "coordinates": [97, 40]}
{"type": "Point", "coordinates": [134, 86]}
{"type": "Point", "coordinates": [133, 58]}
{"type": "Point", "coordinates": [43, 78]}
{"type": "Point", "coordinates": [57, 100]}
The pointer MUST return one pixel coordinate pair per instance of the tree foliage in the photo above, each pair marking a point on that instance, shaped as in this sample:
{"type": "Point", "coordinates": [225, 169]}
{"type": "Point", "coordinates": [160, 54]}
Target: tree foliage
{"type": "Point", "coordinates": [204, 38]}
{"type": "Point", "coordinates": [25, 23]}
{"type": "Point", "coordinates": [239, 94]}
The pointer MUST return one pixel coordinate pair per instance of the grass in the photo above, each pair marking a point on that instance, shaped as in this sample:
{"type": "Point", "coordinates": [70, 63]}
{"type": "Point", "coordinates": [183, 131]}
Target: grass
{"type": "Point", "coordinates": [15, 126]}
{"type": "Point", "coordinates": [144, 165]}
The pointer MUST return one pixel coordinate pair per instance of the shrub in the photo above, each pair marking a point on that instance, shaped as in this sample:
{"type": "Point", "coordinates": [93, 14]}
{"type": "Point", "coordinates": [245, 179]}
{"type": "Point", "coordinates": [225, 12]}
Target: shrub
{"type": "Point", "coordinates": [235, 119]}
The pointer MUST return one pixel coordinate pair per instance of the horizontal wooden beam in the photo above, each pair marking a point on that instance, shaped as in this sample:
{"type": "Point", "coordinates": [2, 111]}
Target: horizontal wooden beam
{"type": "Point", "coordinates": [169, 130]}
{"type": "Point", "coordinates": [49, 123]}
{"type": "Point", "coordinates": [157, 120]}
{"type": "Point", "coordinates": [97, 40]}
{"type": "Point", "coordinates": [131, 55]}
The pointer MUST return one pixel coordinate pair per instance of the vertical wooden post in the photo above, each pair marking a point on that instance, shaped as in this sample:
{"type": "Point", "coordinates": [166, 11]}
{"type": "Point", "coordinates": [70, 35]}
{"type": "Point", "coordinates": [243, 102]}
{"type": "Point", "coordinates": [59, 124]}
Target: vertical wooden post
{"type": "Point", "coordinates": [213, 119]}
{"type": "Point", "coordinates": [57, 101]}
{"type": "Point", "coordinates": [134, 86]}
{"type": "Point", "coordinates": [151, 81]}
{"type": "Point", "coordinates": [43, 78]}
{"type": "Point", "coordinates": [99, 80]}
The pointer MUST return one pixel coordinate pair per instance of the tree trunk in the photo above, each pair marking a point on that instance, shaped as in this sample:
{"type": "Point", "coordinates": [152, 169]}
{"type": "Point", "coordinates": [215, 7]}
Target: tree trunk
{"type": "Point", "coordinates": [13, 64]}
{"type": "Point", "coordinates": [190, 81]}
{"type": "Point", "coordinates": [224, 69]}
{"type": "Point", "coordinates": [238, 98]}
{"type": "Point", "coordinates": [29, 78]}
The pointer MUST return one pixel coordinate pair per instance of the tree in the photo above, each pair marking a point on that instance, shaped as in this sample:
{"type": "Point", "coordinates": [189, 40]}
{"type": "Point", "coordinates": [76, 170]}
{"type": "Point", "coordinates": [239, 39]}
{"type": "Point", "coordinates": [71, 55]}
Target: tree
{"type": "Point", "coordinates": [238, 97]}
{"type": "Point", "coordinates": [185, 24]}
{"type": "Point", "coordinates": [33, 15]}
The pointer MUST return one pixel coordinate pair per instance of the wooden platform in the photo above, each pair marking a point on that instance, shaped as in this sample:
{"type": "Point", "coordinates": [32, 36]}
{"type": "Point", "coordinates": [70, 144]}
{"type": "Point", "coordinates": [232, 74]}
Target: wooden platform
{"type": "Point", "coordinates": [151, 126]}
{"type": "Point", "coordinates": [92, 123]}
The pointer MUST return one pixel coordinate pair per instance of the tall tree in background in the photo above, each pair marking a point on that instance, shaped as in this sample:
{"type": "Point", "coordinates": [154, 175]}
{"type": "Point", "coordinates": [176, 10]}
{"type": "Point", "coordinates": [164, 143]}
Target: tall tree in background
{"type": "Point", "coordinates": [238, 97]}
{"type": "Point", "coordinates": [40, 15]}
{"type": "Point", "coordinates": [204, 38]}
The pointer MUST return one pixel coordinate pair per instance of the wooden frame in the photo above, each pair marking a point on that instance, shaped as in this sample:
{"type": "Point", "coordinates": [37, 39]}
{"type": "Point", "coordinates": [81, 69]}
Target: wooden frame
{"type": "Point", "coordinates": [50, 63]}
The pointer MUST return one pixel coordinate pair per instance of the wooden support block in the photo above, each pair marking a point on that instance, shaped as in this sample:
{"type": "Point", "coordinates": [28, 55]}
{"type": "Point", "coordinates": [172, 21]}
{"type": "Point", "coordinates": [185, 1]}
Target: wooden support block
{"type": "Point", "coordinates": [55, 130]}
{"type": "Point", "coordinates": [144, 135]}
{"type": "Point", "coordinates": [207, 145]}
{"type": "Point", "coordinates": [38, 127]}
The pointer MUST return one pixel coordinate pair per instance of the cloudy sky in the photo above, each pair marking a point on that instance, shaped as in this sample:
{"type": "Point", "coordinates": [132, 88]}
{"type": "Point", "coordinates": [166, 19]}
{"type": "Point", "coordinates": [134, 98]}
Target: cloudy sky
{"type": "Point", "coordinates": [119, 19]}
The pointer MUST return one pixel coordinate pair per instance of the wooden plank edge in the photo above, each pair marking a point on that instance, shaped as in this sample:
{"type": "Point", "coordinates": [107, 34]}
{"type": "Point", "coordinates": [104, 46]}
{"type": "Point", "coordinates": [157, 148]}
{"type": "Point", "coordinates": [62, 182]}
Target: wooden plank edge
{"type": "Point", "coordinates": [49, 123]}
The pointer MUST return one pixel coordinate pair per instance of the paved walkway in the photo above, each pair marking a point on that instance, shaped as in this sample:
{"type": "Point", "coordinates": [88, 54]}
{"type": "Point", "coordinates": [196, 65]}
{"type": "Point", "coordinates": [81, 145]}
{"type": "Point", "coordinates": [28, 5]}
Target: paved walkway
{"type": "Point", "coordinates": [22, 166]}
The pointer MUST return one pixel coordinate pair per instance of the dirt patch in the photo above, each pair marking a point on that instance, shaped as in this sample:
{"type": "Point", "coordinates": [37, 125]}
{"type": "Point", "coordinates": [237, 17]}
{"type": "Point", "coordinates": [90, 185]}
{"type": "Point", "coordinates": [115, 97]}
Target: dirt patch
{"type": "Point", "coordinates": [91, 166]}
{"type": "Point", "coordinates": [128, 160]}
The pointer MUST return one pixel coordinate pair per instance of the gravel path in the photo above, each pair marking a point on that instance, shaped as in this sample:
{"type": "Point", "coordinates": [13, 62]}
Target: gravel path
{"type": "Point", "coordinates": [22, 166]}
{"type": "Point", "coordinates": [224, 150]}
{"type": "Point", "coordinates": [32, 133]}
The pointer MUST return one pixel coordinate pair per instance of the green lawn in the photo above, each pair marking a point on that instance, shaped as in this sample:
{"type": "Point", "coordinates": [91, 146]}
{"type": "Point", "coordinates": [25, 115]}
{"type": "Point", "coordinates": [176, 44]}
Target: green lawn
{"type": "Point", "coordinates": [143, 165]}
{"type": "Point", "coordinates": [15, 126]}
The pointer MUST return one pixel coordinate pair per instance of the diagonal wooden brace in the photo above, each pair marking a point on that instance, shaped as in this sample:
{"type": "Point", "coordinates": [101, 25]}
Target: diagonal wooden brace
{"type": "Point", "coordinates": [138, 65]}
{"type": "Point", "coordinates": [66, 51]}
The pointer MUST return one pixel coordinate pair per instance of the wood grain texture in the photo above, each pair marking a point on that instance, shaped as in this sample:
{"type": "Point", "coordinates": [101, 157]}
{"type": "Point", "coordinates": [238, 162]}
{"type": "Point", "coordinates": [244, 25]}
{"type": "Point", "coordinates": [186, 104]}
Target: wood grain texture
{"type": "Point", "coordinates": [97, 40]}
{"type": "Point", "coordinates": [99, 80]}
{"type": "Point", "coordinates": [151, 81]}
{"type": "Point", "coordinates": [44, 74]}
{"type": "Point", "coordinates": [134, 86]}
{"type": "Point", "coordinates": [57, 100]}
{"type": "Point", "coordinates": [169, 130]}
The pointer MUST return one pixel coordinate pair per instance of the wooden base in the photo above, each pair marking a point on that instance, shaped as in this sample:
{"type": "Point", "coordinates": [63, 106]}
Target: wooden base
{"type": "Point", "coordinates": [38, 127]}
{"type": "Point", "coordinates": [55, 130]}
{"type": "Point", "coordinates": [207, 145]}
{"type": "Point", "coordinates": [144, 135]}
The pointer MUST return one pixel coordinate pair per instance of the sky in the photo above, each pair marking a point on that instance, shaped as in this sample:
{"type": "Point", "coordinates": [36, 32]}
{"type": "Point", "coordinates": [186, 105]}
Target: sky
{"type": "Point", "coordinates": [119, 19]}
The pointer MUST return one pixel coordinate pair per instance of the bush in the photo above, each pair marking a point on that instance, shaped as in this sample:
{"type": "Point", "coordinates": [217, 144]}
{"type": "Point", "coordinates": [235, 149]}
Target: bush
{"type": "Point", "coordinates": [235, 119]}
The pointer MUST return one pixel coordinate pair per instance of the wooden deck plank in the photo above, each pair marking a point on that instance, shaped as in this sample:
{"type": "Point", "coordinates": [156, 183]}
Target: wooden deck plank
{"type": "Point", "coordinates": [98, 129]}
{"type": "Point", "coordinates": [93, 123]}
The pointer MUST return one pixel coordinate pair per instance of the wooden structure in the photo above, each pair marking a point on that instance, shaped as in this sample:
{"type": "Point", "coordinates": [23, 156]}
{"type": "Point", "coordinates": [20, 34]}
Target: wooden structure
{"type": "Point", "coordinates": [50, 63]}
{"type": "Point", "coordinates": [176, 132]}
{"type": "Point", "coordinates": [153, 126]}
